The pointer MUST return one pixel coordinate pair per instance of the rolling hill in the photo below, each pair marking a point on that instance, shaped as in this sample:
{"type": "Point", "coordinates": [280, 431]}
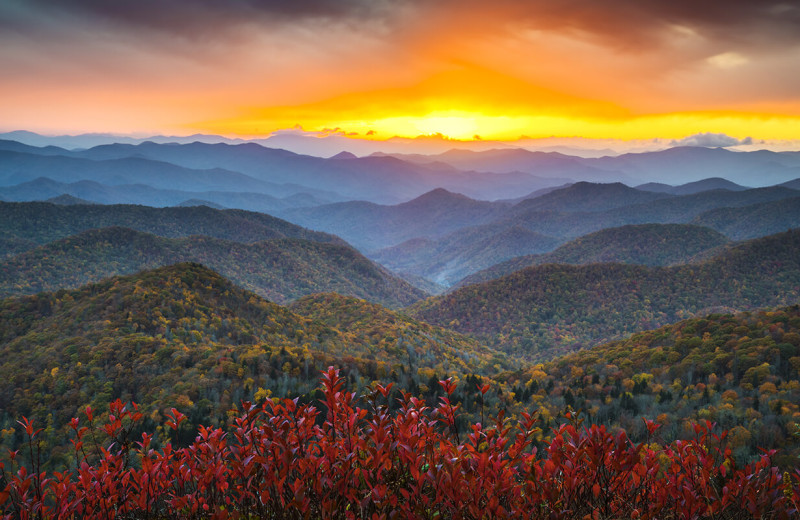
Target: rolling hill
{"type": "Point", "coordinates": [739, 371]}
{"type": "Point", "coordinates": [541, 311]}
{"type": "Point", "coordinates": [95, 192]}
{"type": "Point", "coordinates": [183, 336]}
{"type": "Point", "coordinates": [381, 179]}
{"type": "Point", "coordinates": [370, 226]}
{"type": "Point", "coordinates": [17, 168]}
{"type": "Point", "coordinates": [588, 197]}
{"type": "Point", "coordinates": [754, 220]}
{"type": "Point", "coordinates": [643, 244]}
{"type": "Point", "coordinates": [690, 188]}
{"type": "Point", "coordinates": [40, 223]}
{"type": "Point", "coordinates": [280, 269]}
{"type": "Point", "coordinates": [450, 258]}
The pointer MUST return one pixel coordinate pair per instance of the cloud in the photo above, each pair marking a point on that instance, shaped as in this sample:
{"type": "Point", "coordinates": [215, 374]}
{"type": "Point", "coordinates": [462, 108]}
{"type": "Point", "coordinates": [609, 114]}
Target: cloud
{"type": "Point", "coordinates": [728, 60]}
{"type": "Point", "coordinates": [644, 22]}
{"type": "Point", "coordinates": [710, 140]}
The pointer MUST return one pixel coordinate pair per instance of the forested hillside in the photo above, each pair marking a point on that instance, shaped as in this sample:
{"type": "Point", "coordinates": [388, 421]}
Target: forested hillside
{"type": "Point", "coordinates": [448, 259]}
{"type": "Point", "coordinates": [741, 372]}
{"type": "Point", "coordinates": [183, 336]}
{"type": "Point", "coordinates": [542, 311]}
{"type": "Point", "coordinates": [643, 244]}
{"type": "Point", "coordinates": [279, 269]}
{"type": "Point", "coordinates": [41, 222]}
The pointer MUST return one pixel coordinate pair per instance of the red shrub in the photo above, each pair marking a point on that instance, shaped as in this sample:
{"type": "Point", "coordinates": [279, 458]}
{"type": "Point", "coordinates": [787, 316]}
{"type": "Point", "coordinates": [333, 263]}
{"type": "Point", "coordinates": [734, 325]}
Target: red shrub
{"type": "Point", "coordinates": [279, 460]}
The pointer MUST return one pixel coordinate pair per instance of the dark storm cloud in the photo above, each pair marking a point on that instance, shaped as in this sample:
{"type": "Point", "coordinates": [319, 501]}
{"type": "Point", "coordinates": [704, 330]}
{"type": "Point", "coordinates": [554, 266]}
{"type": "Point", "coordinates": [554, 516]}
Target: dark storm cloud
{"type": "Point", "coordinates": [183, 18]}
{"type": "Point", "coordinates": [619, 22]}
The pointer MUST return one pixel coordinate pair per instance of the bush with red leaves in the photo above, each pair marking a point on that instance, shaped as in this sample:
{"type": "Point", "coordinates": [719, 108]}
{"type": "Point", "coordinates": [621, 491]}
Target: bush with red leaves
{"type": "Point", "coordinates": [285, 461]}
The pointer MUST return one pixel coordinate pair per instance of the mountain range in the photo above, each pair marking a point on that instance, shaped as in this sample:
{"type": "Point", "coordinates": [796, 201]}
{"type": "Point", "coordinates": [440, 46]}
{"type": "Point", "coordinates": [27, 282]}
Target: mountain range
{"type": "Point", "coordinates": [280, 269]}
{"type": "Point", "coordinates": [134, 282]}
{"type": "Point", "coordinates": [541, 311]}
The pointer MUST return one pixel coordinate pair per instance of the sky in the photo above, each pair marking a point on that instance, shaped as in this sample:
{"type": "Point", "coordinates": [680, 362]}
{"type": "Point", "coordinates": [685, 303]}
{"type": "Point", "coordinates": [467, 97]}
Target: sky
{"type": "Point", "coordinates": [373, 69]}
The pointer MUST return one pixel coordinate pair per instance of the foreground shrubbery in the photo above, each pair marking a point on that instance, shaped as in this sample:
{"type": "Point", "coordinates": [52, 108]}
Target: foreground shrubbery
{"type": "Point", "coordinates": [281, 460]}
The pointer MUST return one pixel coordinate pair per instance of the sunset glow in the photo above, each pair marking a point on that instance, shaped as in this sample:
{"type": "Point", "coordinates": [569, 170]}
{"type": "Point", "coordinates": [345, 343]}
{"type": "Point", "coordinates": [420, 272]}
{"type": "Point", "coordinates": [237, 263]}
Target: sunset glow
{"type": "Point", "coordinates": [381, 69]}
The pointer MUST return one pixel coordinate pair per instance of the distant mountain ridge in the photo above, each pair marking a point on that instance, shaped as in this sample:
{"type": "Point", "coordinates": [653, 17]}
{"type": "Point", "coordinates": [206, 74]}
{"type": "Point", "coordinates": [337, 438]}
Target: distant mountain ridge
{"type": "Point", "coordinates": [712, 183]}
{"type": "Point", "coordinates": [640, 244]}
{"type": "Point", "coordinates": [40, 222]}
{"type": "Point", "coordinates": [94, 192]}
{"type": "Point", "coordinates": [371, 226]}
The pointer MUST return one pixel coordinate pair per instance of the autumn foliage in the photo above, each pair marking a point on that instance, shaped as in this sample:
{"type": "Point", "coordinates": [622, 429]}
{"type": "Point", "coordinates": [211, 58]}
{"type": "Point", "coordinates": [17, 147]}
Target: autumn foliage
{"type": "Point", "coordinates": [284, 460]}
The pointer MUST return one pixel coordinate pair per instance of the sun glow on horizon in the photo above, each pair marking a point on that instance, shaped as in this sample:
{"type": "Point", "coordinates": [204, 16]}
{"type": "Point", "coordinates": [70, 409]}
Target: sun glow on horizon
{"type": "Point", "coordinates": [468, 125]}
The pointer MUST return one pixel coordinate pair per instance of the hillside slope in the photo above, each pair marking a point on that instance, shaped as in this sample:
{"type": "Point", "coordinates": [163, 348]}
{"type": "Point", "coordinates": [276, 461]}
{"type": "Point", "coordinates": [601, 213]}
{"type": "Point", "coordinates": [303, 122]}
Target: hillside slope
{"type": "Point", "coordinates": [454, 256]}
{"type": "Point", "coordinates": [371, 226]}
{"type": "Point", "coordinates": [755, 220]}
{"type": "Point", "coordinates": [183, 336]}
{"type": "Point", "coordinates": [41, 222]}
{"type": "Point", "coordinates": [280, 269]}
{"type": "Point", "coordinates": [642, 244]}
{"type": "Point", "coordinates": [739, 371]}
{"type": "Point", "coordinates": [541, 311]}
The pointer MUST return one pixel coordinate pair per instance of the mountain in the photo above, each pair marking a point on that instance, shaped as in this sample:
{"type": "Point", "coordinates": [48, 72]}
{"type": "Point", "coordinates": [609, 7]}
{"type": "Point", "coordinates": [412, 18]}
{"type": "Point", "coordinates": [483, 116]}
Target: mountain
{"type": "Point", "coordinates": [279, 269]}
{"type": "Point", "coordinates": [370, 226]}
{"type": "Point", "coordinates": [344, 155]}
{"type": "Point", "coordinates": [739, 371]}
{"type": "Point", "coordinates": [84, 141]}
{"type": "Point", "coordinates": [456, 255]}
{"type": "Point", "coordinates": [556, 167]}
{"type": "Point", "coordinates": [199, 202]}
{"type": "Point", "coordinates": [713, 183]}
{"type": "Point", "coordinates": [95, 192]}
{"type": "Point", "coordinates": [382, 179]}
{"type": "Point", "coordinates": [544, 310]}
{"type": "Point", "coordinates": [793, 184]}
{"type": "Point", "coordinates": [536, 193]}
{"type": "Point", "coordinates": [586, 197]}
{"type": "Point", "coordinates": [183, 336]}
{"type": "Point", "coordinates": [374, 332]}
{"type": "Point", "coordinates": [754, 220]}
{"type": "Point", "coordinates": [16, 168]}
{"type": "Point", "coordinates": [673, 209]}
{"type": "Point", "coordinates": [67, 200]}
{"type": "Point", "coordinates": [642, 244]}
{"type": "Point", "coordinates": [40, 222]}
{"type": "Point", "coordinates": [685, 164]}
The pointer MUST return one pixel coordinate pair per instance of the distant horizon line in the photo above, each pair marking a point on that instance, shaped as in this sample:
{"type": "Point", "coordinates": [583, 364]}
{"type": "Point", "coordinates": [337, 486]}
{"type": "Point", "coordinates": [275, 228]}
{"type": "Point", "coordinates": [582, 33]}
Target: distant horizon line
{"type": "Point", "coordinates": [328, 143]}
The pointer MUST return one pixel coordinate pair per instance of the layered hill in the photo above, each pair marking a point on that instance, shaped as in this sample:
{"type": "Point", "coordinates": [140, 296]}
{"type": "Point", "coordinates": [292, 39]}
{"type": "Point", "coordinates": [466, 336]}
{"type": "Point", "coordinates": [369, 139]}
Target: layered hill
{"type": "Point", "coordinates": [589, 197]}
{"type": "Point", "coordinates": [186, 337]}
{"type": "Point", "coordinates": [643, 244]}
{"type": "Point", "coordinates": [673, 209]}
{"type": "Point", "coordinates": [370, 226]}
{"type": "Point", "coordinates": [755, 220]}
{"type": "Point", "coordinates": [543, 310]}
{"type": "Point", "coordinates": [383, 335]}
{"type": "Point", "coordinates": [276, 172]}
{"type": "Point", "coordinates": [95, 192]}
{"type": "Point", "coordinates": [17, 168]}
{"type": "Point", "coordinates": [454, 256]}
{"type": "Point", "coordinates": [712, 183]}
{"type": "Point", "coordinates": [280, 269]}
{"type": "Point", "coordinates": [739, 371]}
{"type": "Point", "coordinates": [40, 223]}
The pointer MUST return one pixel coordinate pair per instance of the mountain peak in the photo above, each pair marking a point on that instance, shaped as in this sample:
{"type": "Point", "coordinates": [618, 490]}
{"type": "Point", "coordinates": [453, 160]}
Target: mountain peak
{"type": "Point", "coordinates": [344, 156]}
{"type": "Point", "coordinates": [438, 195]}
